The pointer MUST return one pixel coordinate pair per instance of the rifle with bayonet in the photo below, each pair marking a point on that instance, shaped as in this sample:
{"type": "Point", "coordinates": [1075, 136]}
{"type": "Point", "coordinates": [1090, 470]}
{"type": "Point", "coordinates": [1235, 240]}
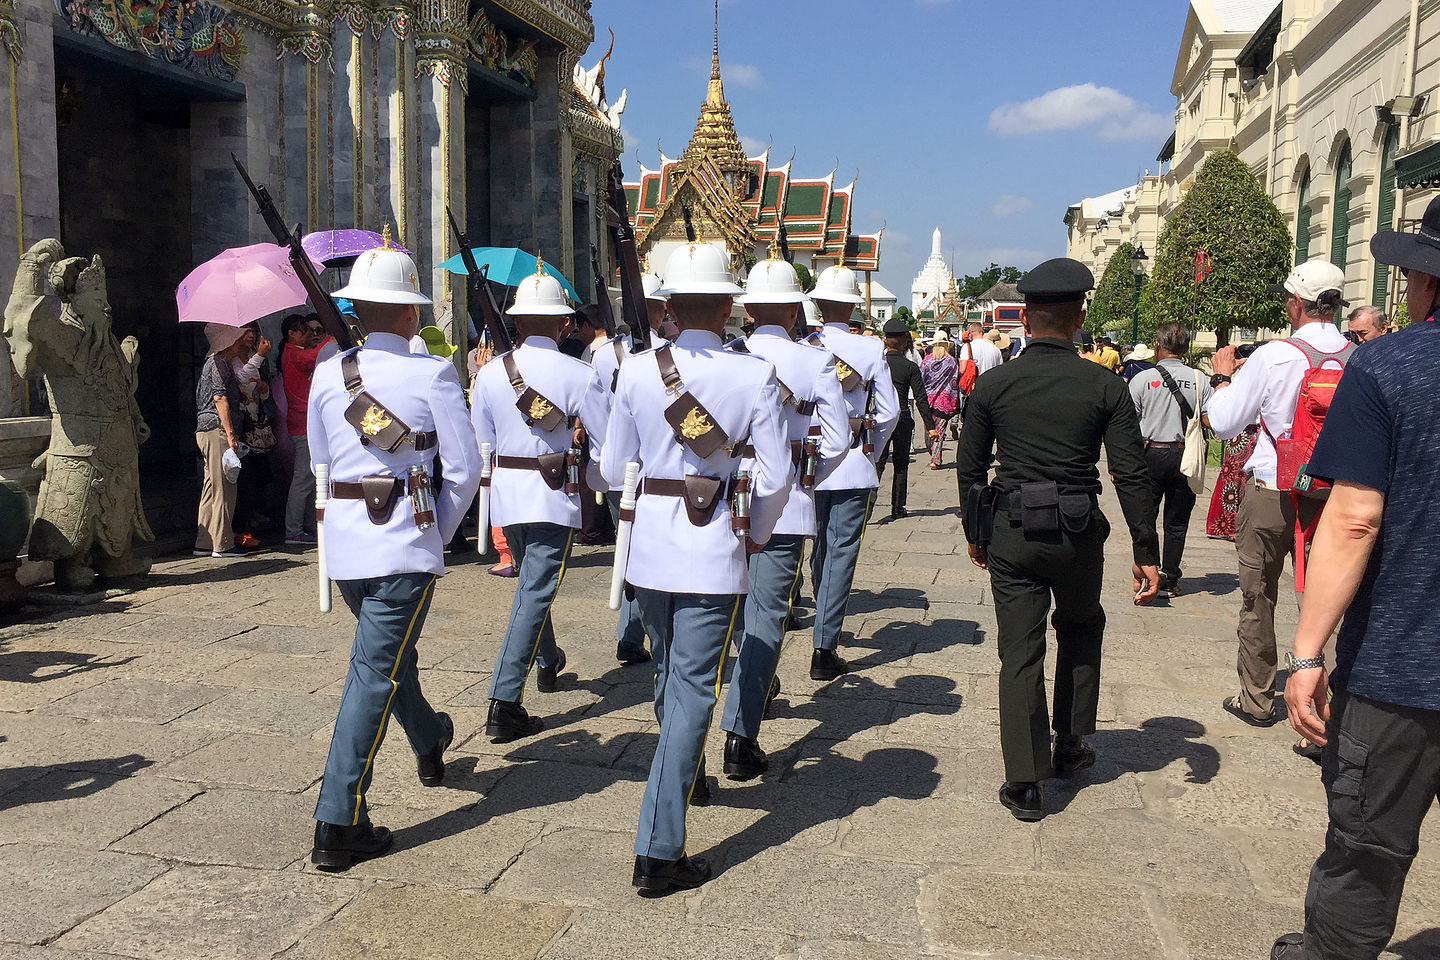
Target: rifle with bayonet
{"type": "Point", "coordinates": [632, 287]}
{"type": "Point", "coordinates": [477, 288]}
{"type": "Point", "coordinates": [602, 293]}
{"type": "Point", "coordinates": [335, 324]}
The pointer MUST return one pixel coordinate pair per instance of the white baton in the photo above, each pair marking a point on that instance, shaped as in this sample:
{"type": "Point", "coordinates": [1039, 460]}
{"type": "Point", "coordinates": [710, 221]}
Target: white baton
{"type": "Point", "coordinates": [622, 535]}
{"type": "Point", "coordinates": [483, 513]}
{"type": "Point", "coordinates": [322, 497]}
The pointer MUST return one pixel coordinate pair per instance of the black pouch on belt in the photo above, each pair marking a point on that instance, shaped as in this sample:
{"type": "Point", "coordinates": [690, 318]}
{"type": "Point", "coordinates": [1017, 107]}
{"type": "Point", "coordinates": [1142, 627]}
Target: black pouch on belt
{"type": "Point", "coordinates": [552, 469]}
{"type": "Point", "coordinates": [1039, 509]}
{"type": "Point", "coordinates": [380, 496]}
{"type": "Point", "coordinates": [1075, 512]}
{"type": "Point", "coordinates": [979, 520]}
{"type": "Point", "coordinates": [702, 495]}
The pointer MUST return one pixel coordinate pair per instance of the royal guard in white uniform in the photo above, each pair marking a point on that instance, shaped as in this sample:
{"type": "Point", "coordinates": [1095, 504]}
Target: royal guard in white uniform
{"type": "Point", "coordinates": [684, 412]}
{"type": "Point", "coordinates": [843, 500]}
{"type": "Point", "coordinates": [629, 632]}
{"type": "Point", "coordinates": [379, 416]}
{"type": "Point", "coordinates": [818, 427]}
{"type": "Point", "coordinates": [529, 405]}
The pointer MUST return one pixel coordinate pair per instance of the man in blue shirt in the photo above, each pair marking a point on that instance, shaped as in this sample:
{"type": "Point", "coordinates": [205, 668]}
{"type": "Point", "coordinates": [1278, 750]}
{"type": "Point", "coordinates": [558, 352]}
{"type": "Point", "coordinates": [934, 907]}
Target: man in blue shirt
{"type": "Point", "coordinates": [1376, 562]}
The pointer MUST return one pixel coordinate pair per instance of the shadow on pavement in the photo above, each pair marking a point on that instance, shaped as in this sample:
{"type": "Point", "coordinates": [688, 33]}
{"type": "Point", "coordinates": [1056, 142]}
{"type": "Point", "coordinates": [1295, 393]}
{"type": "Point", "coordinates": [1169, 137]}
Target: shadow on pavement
{"type": "Point", "coordinates": [37, 666]}
{"type": "Point", "coordinates": [1425, 945]}
{"type": "Point", "coordinates": [1154, 745]}
{"type": "Point", "coordinates": [56, 782]}
{"type": "Point", "coordinates": [227, 571]}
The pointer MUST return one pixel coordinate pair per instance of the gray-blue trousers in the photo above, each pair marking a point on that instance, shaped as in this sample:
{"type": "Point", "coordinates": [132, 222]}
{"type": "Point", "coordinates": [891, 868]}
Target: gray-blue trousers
{"type": "Point", "coordinates": [839, 529]}
{"type": "Point", "coordinates": [690, 634]}
{"type": "Point", "coordinates": [540, 551]}
{"type": "Point", "coordinates": [383, 678]}
{"type": "Point", "coordinates": [773, 572]}
{"type": "Point", "coordinates": [629, 630]}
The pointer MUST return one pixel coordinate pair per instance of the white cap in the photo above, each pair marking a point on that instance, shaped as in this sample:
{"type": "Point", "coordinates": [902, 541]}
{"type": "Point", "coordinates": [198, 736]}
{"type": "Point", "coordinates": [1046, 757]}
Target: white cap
{"type": "Point", "coordinates": [772, 281]}
{"type": "Point", "coordinates": [1310, 279]}
{"type": "Point", "coordinates": [539, 295]}
{"type": "Point", "coordinates": [699, 268]}
{"type": "Point", "coordinates": [812, 314]}
{"type": "Point", "coordinates": [652, 285]}
{"type": "Point", "coordinates": [384, 275]}
{"type": "Point", "coordinates": [838, 285]}
{"type": "Point", "coordinates": [940, 337]}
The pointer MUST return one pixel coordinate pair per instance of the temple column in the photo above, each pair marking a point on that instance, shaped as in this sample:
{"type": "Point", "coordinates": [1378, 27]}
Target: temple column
{"type": "Point", "coordinates": [307, 64]}
{"type": "Point", "coordinates": [397, 106]}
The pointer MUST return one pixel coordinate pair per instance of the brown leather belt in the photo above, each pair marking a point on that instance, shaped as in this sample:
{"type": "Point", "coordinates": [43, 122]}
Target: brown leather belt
{"type": "Point", "coordinates": [348, 490]}
{"type": "Point", "coordinates": [797, 451]}
{"type": "Point", "coordinates": [1165, 445]}
{"type": "Point", "coordinates": [662, 488]}
{"type": "Point", "coordinates": [517, 463]}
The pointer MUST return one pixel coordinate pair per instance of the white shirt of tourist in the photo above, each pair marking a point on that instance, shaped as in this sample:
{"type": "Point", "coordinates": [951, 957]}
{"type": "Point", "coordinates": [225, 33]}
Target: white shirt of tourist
{"type": "Point", "coordinates": [668, 552]}
{"type": "Point", "coordinates": [425, 394]}
{"type": "Point", "coordinates": [1266, 388]}
{"type": "Point", "coordinates": [520, 495]}
{"type": "Point", "coordinates": [607, 365]}
{"type": "Point", "coordinates": [810, 373]}
{"type": "Point", "coordinates": [866, 356]}
{"type": "Point", "coordinates": [987, 356]}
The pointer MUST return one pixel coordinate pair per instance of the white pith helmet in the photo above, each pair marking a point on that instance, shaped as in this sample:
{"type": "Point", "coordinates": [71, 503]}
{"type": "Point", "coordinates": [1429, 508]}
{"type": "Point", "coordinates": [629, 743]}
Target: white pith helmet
{"type": "Point", "coordinates": [539, 295]}
{"type": "Point", "coordinates": [700, 268]}
{"type": "Point", "coordinates": [838, 285]}
{"type": "Point", "coordinates": [653, 285]}
{"type": "Point", "coordinates": [812, 315]}
{"type": "Point", "coordinates": [384, 275]}
{"type": "Point", "coordinates": [773, 281]}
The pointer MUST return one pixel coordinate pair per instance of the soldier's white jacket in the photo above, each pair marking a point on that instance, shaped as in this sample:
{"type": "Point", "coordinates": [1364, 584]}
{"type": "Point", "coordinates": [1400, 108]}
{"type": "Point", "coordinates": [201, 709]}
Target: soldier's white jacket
{"type": "Point", "coordinates": [522, 496]}
{"type": "Point", "coordinates": [425, 393]}
{"type": "Point", "coordinates": [809, 373]}
{"type": "Point", "coordinates": [607, 365]}
{"type": "Point", "coordinates": [866, 356]}
{"type": "Point", "coordinates": [667, 552]}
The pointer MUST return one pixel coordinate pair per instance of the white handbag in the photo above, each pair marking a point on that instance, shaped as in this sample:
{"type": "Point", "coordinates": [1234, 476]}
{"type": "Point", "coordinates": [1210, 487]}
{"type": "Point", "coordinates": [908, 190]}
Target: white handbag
{"type": "Point", "coordinates": [1196, 454]}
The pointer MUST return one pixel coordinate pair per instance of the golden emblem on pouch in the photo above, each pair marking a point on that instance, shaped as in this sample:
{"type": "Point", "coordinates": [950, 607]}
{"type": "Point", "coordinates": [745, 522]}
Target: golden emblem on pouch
{"type": "Point", "coordinates": [695, 424]}
{"type": "Point", "coordinates": [540, 408]}
{"type": "Point", "coordinates": [842, 370]}
{"type": "Point", "coordinates": [374, 421]}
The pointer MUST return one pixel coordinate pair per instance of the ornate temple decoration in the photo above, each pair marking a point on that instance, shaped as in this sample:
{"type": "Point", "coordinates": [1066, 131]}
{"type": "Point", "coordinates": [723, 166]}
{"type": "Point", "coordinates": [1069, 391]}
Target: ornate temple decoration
{"type": "Point", "coordinates": [10, 31]}
{"type": "Point", "coordinates": [308, 36]}
{"type": "Point", "coordinates": [197, 35]}
{"type": "Point", "coordinates": [566, 20]}
{"type": "Point", "coordinates": [441, 42]}
{"type": "Point", "coordinates": [355, 13]}
{"type": "Point", "coordinates": [494, 49]}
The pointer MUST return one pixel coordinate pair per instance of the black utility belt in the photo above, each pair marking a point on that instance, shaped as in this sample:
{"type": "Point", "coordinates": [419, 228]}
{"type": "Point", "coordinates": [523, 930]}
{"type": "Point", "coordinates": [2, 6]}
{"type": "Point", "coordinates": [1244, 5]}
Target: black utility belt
{"type": "Point", "coordinates": [1039, 509]}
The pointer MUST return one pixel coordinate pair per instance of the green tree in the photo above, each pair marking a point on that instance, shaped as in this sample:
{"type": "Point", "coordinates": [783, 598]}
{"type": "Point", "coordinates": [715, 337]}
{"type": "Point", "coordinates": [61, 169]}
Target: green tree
{"type": "Point", "coordinates": [903, 313]}
{"type": "Point", "coordinates": [974, 286]}
{"type": "Point", "coordinates": [1227, 214]}
{"type": "Point", "coordinates": [1113, 306]}
{"type": "Point", "coordinates": [802, 273]}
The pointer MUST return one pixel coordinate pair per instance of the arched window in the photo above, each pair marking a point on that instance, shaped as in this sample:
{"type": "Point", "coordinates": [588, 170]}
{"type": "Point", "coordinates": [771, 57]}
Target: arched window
{"type": "Point", "coordinates": [1385, 211]}
{"type": "Point", "coordinates": [1340, 234]}
{"type": "Point", "coordinates": [1302, 221]}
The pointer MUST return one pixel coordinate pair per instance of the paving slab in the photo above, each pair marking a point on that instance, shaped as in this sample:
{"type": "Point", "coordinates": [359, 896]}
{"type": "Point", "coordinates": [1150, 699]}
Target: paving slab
{"type": "Point", "coordinates": [251, 760]}
{"type": "Point", "coordinates": [147, 700]}
{"type": "Point", "coordinates": [597, 933]}
{"type": "Point", "coordinates": [87, 810]}
{"type": "Point", "coordinates": [268, 830]}
{"type": "Point", "coordinates": [276, 712]}
{"type": "Point", "coordinates": [45, 890]}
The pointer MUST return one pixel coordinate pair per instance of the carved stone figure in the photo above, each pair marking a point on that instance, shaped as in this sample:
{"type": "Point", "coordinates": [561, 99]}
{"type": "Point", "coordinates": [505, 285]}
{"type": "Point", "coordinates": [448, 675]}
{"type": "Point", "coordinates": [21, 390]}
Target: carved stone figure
{"type": "Point", "coordinates": [88, 514]}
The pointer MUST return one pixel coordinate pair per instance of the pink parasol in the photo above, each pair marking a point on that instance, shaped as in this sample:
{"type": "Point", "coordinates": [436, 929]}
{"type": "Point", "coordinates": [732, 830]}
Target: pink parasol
{"type": "Point", "coordinates": [240, 285]}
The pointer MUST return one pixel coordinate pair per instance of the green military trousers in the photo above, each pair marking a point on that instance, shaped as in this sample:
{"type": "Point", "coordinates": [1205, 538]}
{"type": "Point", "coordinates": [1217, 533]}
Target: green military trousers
{"type": "Point", "coordinates": [1024, 575]}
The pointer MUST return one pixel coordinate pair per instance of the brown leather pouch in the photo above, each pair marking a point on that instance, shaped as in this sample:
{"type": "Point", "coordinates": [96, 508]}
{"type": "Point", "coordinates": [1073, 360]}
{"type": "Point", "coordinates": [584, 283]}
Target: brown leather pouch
{"type": "Point", "coordinates": [702, 495]}
{"type": "Point", "coordinates": [552, 469]}
{"type": "Point", "coordinates": [857, 424]}
{"type": "Point", "coordinates": [539, 412]}
{"type": "Point", "coordinates": [380, 496]}
{"type": "Point", "coordinates": [694, 427]}
{"type": "Point", "coordinates": [376, 424]}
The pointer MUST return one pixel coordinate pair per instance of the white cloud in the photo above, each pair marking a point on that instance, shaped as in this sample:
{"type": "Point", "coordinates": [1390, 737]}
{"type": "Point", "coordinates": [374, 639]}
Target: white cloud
{"type": "Point", "coordinates": [742, 74]}
{"type": "Point", "coordinates": [1112, 115]}
{"type": "Point", "coordinates": [1009, 205]}
{"type": "Point", "coordinates": [754, 146]}
{"type": "Point", "coordinates": [631, 144]}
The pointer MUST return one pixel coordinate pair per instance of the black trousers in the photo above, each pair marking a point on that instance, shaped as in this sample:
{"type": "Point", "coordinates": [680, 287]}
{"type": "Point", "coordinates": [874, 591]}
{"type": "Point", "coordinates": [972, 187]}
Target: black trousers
{"type": "Point", "coordinates": [1171, 486]}
{"type": "Point", "coordinates": [1381, 770]}
{"type": "Point", "coordinates": [897, 452]}
{"type": "Point", "coordinates": [1024, 575]}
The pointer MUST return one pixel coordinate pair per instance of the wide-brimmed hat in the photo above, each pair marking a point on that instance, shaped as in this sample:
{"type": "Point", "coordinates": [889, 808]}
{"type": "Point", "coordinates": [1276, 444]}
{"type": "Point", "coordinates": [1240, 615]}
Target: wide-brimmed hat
{"type": "Point", "coordinates": [999, 338]}
{"type": "Point", "coordinates": [222, 336]}
{"type": "Point", "coordinates": [1142, 352]}
{"type": "Point", "coordinates": [1412, 251]}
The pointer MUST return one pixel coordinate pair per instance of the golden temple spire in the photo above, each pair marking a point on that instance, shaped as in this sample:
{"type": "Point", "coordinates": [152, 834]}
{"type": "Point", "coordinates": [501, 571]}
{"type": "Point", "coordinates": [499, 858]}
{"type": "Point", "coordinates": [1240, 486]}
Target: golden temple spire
{"type": "Point", "coordinates": [716, 96]}
{"type": "Point", "coordinates": [715, 134]}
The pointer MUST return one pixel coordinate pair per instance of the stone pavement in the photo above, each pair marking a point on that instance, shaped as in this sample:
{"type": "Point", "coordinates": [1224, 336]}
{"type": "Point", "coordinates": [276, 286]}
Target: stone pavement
{"type": "Point", "coordinates": [159, 758]}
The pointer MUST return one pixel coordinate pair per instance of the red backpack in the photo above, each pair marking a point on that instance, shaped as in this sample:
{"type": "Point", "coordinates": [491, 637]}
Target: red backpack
{"type": "Point", "coordinates": [1295, 446]}
{"type": "Point", "coordinates": [968, 371]}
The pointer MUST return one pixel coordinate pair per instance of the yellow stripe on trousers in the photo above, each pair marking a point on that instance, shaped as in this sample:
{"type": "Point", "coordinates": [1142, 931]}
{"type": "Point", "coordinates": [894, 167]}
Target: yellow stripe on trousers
{"type": "Point", "coordinates": [535, 646]}
{"type": "Point", "coordinates": [385, 718]}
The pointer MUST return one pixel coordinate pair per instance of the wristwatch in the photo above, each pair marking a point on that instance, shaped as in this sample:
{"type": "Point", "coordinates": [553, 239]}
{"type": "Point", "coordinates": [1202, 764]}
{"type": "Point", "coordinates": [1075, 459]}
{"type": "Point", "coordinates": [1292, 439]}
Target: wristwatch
{"type": "Point", "coordinates": [1294, 663]}
{"type": "Point", "coordinates": [1217, 379]}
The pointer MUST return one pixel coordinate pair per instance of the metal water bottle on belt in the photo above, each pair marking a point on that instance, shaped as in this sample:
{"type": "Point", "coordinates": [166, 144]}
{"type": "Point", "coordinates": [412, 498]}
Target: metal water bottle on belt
{"type": "Point", "coordinates": [740, 504]}
{"type": "Point", "coordinates": [572, 469]}
{"type": "Point", "coordinates": [422, 501]}
{"type": "Point", "coordinates": [809, 461]}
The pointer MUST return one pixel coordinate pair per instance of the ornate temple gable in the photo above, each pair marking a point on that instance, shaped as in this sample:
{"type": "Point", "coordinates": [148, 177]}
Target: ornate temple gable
{"type": "Point", "coordinates": [568, 21]}
{"type": "Point", "coordinates": [717, 213]}
{"type": "Point", "coordinates": [770, 201]}
{"type": "Point", "coordinates": [837, 227]}
{"type": "Point", "coordinates": [594, 123]}
{"type": "Point", "coordinates": [201, 36]}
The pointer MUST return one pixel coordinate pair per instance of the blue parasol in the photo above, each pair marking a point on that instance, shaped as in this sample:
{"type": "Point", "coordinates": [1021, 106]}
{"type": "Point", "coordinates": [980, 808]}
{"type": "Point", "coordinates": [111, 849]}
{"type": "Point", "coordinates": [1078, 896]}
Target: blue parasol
{"type": "Point", "coordinates": [508, 266]}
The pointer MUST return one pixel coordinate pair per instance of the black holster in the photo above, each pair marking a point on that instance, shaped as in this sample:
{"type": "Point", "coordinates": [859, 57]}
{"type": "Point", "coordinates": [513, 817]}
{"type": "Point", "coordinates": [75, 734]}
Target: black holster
{"type": "Point", "coordinates": [979, 519]}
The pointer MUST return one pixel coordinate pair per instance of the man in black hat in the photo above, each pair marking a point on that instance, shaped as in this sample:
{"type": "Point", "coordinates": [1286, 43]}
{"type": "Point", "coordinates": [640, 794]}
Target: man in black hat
{"type": "Point", "coordinates": [1038, 528]}
{"type": "Point", "coordinates": [908, 386]}
{"type": "Point", "coordinates": [1375, 562]}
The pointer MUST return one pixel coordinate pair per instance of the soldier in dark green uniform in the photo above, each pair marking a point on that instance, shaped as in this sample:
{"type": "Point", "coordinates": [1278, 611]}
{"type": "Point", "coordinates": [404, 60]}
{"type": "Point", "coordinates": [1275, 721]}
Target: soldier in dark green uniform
{"type": "Point", "coordinates": [1039, 531]}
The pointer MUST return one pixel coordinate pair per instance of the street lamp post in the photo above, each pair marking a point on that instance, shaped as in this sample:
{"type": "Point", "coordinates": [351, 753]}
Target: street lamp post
{"type": "Point", "coordinates": [1137, 265]}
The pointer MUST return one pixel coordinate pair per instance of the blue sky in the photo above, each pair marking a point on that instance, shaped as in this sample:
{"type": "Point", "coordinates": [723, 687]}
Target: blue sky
{"type": "Point", "coordinates": [985, 119]}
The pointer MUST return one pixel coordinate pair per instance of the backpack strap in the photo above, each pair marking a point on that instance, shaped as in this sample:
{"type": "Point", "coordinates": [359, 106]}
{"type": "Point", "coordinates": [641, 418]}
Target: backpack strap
{"type": "Point", "coordinates": [1186, 410]}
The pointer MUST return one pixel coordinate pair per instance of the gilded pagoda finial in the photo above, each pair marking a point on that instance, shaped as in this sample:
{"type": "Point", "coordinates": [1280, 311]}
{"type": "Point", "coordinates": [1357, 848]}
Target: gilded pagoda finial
{"type": "Point", "coordinates": [539, 265]}
{"type": "Point", "coordinates": [385, 237]}
{"type": "Point", "coordinates": [775, 247]}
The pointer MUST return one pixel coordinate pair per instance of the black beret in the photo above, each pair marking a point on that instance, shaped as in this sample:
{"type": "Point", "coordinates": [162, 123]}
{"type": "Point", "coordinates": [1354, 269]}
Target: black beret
{"type": "Point", "coordinates": [1061, 280]}
{"type": "Point", "coordinates": [895, 327]}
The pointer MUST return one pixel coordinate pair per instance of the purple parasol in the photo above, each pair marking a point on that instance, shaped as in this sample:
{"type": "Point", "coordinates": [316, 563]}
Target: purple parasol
{"type": "Point", "coordinates": [328, 246]}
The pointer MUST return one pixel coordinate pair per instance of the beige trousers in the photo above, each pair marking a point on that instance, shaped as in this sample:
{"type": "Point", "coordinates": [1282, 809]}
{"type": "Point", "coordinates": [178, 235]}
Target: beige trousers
{"type": "Point", "coordinates": [1264, 536]}
{"type": "Point", "coordinates": [217, 496]}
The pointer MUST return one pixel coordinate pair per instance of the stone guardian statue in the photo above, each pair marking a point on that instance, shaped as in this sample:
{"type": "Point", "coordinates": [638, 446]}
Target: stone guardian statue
{"type": "Point", "coordinates": [89, 513]}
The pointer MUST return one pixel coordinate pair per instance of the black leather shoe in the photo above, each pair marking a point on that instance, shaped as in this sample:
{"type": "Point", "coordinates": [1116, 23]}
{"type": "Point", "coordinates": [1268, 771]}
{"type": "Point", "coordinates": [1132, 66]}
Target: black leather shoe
{"type": "Point", "coordinates": [338, 848]}
{"type": "Point", "coordinates": [700, 794]}
{"type": "Point", "coordinates": [510, 721]}
{"type": "Point", "coordinates": [770, 697]}
{"type": "Point", "coordinates": [630, 653]}
{"type": "Point", "coordinates": [827, 665]}
{"type": "Point", "coordinates": [547, 679]}
{"type": "Point", "coordinates": [1022, 800]}
{"type": "Point", "coordinates": [1289, 947]}
{"type": "Point", "coordinates": [744, 760]}
{"type": "Point", "coordinates": [657, 876]}
{"type": "Point", "coordinates": [432, 765]}
{"type": "Point", "coordinates": [1071, 756]}
{"type": "Point", "coordinates": [899, 513]}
